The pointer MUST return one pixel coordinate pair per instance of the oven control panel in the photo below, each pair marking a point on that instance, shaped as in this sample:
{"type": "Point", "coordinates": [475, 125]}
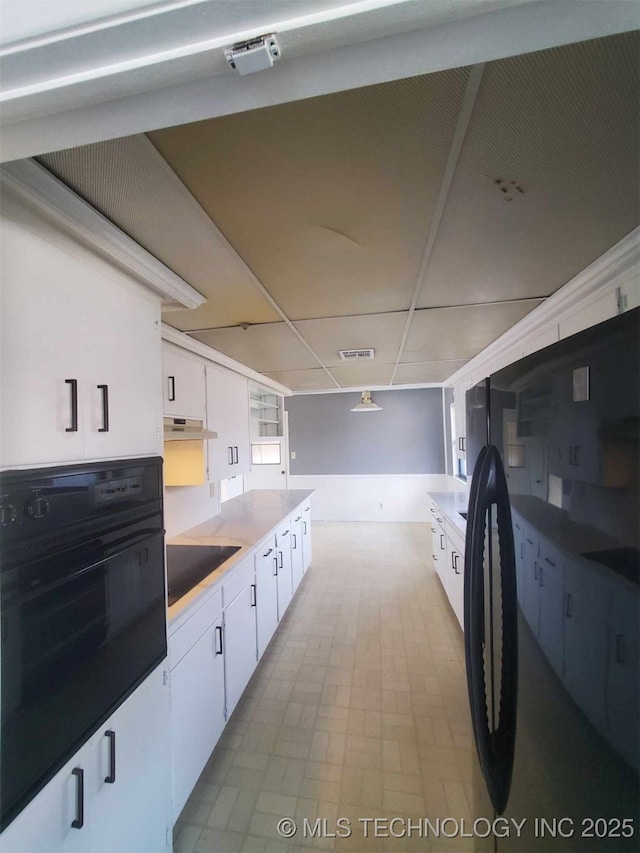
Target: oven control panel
{"type": "Point", "coordinates": [117, 490]}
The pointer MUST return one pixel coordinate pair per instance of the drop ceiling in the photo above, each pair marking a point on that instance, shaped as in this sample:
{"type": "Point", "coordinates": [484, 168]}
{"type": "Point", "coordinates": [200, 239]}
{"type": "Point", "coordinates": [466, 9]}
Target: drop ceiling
{"type": "Point", "coordinates": [421, 217]}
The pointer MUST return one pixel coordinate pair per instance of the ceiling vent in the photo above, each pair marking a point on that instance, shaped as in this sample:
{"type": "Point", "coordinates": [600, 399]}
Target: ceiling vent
{"type": "Point", "coordinates": [356, 354]}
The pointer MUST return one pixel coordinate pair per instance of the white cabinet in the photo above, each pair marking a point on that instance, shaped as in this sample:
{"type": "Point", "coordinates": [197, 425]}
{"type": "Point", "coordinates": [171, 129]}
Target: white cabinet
{"type": "Point", "coordinates": [551, 605]}
{"type": "Point", "coordinates": [266, 564]}
{"type": "Point", "coordinates": [131, 750]}
{"type": "Point", "coordinates": [183, 383]}
{"type": "Point", "coordinates": [240, 649]}
{"type": "Point", "coordinates": [531, 590]}
{"type": "Point", "coordinates": [307, 550]}
{"type": "Point", "coordinates": [228, 415]}
{"type": "Point", "coordinates": [297, 558]}
{"type": "Point", "coordinates": [623, 672]}
{"type": "Point", "coordinates": [585, 628]}
{"type": "Point", "coordinates": [460, 443]}
{"type": "Point", "coordinates": [455, 572]}
{"type": "Point", "coordinates": [79, 810]}
{"type": "Point", "coordinates": [71, 325]}
{"type": "Point", "coordinates": [283, 553]}
{"type": "Point", "coordinates": [197, 697]}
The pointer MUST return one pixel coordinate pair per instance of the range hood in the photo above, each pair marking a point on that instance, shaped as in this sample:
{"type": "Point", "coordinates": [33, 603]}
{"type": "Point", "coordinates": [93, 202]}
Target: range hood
{"type": "Point", "coordinates": [185, 429]}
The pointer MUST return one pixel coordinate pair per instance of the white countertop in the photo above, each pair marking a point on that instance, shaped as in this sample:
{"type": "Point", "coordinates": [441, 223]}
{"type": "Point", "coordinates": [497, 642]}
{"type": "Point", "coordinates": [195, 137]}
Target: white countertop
{"type": "Point", "coordinates": [451, 504]}
{"type": "Point", "coordinates": [243, 521]}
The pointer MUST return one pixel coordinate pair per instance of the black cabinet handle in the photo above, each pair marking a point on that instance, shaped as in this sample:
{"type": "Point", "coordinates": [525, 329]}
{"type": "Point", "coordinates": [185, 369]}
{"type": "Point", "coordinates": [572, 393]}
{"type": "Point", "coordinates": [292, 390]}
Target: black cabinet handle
{"type": "Point", "coordinates": [455, 563]}
{"type": "Point", "coordinates": [298, 518]}
{"type": "Point", "coordinates": [433, 511]}
{"type": "Point", "coordinates": [621, 651]}
{"type": "Point", "coordinates": [535, 570]}
{"type": "Point", "coordinates": [541, 575]}
{"type": "Point", "coordinates": [74, 405]}
{"type": "Point", "coordinates": [306, 509]}
{"type": "Point", "coordinates": [304, 528]}
{"type": "Point", "coordinates": [253, 595]}
{"type": "Point", "coordinates": [461, 443]}
{"type": "Point", "coordinates": [235, 452]}
{"type": "Point", "coordinates": [111, 777]}
{"type": "Point", "coordinates": [529, 541]}
{"type": "Point", "coordinates": [172, 388]}
{"type": "Point", "coordinates": [442, 541]}
{"type": "Point", "coordinates": [268, 552]}
{"type": "Point", "coordinates": [569, 607]}
{"type": "Point", "coordinates": [230, 449]}
{"type": "Point", "coordinates": [295, 542]}
{"type": "Point", "coordinates": [105, 407]}
{"type": "Point", "coordinates": [218, 639]}
{"type": "Point", "coordinates": [280, 564]}
{"type": "Point", "coordinates": [435, 559]}
{"type": "Point", "coordinates": [494, 734]}
{"type": "Point", "coordinates": [275, 566]}
{"type": "Point", "coordinates": [550, 562]}
{"type": "Point", "coordinates": [78, 823]}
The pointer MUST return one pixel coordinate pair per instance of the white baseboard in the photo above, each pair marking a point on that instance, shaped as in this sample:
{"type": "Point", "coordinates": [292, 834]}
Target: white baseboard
{"type": "Point", "coordinates": [388, 497]}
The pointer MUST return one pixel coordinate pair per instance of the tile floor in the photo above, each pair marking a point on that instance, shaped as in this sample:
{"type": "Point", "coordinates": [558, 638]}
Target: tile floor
{"type": "Point", "coordinates": [357, 710]}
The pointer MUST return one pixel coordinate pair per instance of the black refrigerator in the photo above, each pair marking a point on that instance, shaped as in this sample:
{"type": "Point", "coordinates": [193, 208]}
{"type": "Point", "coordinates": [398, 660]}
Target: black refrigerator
{"type": "Point", "coordinates": [552, 565]}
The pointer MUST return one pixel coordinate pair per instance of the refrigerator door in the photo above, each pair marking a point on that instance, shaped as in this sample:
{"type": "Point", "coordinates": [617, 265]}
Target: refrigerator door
{"type": "Point", "coordinates": [566, 423]}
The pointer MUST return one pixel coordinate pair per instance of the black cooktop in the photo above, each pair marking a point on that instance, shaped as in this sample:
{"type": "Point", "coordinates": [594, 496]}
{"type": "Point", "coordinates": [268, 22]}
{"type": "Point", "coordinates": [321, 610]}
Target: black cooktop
{"type": "Point", "coordinates": [187, 565]}
{"type": "Point", "coordinates": [623, 561]}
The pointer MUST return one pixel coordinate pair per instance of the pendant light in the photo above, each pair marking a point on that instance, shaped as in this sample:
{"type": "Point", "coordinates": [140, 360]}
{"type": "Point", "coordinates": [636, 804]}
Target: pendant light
{"type": "Point", "coordinates": [366, 404]}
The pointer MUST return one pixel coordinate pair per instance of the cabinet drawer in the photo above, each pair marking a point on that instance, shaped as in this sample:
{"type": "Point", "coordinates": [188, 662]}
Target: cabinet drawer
{"type": "Point", "coordinates": [283, 534]}
{"type": "Point", "coordinates": [242, 577]}
{"type": "Point", "coordinates": [188, 634]}
{"type": "Point", "coordinates": [266, 551]}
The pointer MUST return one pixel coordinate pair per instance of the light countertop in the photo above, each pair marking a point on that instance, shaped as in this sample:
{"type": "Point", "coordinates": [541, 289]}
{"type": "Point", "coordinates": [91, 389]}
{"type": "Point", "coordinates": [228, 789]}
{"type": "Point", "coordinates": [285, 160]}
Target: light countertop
{"type": "Point", "coordinates": [243, 521]}
{"type": "Point", "coordinates": [451, 504]}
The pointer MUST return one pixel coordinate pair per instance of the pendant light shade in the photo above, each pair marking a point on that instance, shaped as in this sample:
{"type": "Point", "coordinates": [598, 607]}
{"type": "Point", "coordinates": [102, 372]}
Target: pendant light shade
{"type": "Point", "coordinates": [366, 404]}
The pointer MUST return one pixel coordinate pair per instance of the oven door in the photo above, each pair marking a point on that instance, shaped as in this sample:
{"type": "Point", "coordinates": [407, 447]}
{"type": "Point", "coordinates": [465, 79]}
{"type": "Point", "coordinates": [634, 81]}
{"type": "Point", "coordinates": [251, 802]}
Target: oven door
{"type": "Point", "coordinates": [79, 632]}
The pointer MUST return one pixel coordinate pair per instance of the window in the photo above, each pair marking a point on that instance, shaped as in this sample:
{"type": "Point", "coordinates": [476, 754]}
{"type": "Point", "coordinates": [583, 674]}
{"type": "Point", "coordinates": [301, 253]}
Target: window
{"type": "Point", "coordinates": [265, 454]}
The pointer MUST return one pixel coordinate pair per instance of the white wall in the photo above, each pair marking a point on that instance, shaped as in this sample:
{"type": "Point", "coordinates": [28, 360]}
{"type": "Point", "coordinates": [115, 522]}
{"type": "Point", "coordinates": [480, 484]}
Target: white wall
{"type": "Point", "coordinates": [186, 506]}
{"type": "Point", "coordinates": [372, 497]}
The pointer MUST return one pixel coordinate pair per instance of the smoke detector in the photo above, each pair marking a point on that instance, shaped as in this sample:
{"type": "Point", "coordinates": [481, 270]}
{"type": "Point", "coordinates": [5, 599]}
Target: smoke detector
{"type": "Point", "coordinates": [356, 354]}
{"type": "Point", "coordinates": [255, 55]}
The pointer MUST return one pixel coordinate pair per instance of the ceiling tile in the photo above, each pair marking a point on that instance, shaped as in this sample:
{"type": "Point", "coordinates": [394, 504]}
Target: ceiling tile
{"type": "Point", "coordinates": [363, 374]}
{"type": "Point", "coordinates": [266, 348]}
{"type": "Point", "coordinates": [327, 199]}
{"type": "Point", "coordinates": [426, 371]}
{"type": "Point", "coordinates": [548, 177]}
{"type": "Point", "coordinates": [127, 181]}
{"type": "Point", "coordinates": [302, 380]}
{"type": "Point", "coordinates": [381, 332]}
{"type": "Point", "coordinates": [440, 334]}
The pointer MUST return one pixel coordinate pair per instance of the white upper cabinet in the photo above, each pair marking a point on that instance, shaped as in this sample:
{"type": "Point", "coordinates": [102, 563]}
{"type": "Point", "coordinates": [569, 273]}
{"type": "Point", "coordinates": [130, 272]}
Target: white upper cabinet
{"type": "Point", "coordinates": [79, 354]}
{"type": "Point", "coordinates": [228, 415]}
{"type": "Point", "coordinates": [183, 383]}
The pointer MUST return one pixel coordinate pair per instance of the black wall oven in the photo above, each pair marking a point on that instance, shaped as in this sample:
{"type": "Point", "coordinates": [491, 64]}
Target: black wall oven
{"type": "Point", "coordinates": [83, 609]}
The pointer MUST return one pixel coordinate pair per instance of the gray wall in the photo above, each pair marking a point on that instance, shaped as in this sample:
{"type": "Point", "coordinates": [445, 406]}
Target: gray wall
{"type": "Point", "coordinates": [404, 438]}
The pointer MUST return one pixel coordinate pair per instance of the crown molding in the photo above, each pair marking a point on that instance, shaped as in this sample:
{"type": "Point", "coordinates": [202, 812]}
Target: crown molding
{"type": "Point", "coordinates": [357, 389]}
{"type": "Point", "coordinates": [599, 278]}
{"type": "Point", "coordinates": [173, 336]}
{"type": "Point", "coordinates": [42, 190]}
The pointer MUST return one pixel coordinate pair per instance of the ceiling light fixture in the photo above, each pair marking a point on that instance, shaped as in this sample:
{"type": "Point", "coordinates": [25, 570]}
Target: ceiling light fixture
{"type": "Point", "coordinates": [366, 404]}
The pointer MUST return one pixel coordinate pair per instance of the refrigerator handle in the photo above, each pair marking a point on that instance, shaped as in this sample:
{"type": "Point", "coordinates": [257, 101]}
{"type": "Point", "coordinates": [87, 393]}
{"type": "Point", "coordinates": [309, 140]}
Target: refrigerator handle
{"type": "Point", "coordinates": [495, 748]}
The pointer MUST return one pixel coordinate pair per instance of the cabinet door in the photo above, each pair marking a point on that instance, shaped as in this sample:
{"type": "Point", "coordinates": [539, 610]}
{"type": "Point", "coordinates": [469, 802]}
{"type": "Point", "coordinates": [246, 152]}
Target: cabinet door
{"type": "Point", "coordinates": [285, 580]}
{"type": "Point", "coordinates": [266, 594]}
{"type": "Point", "coordinates": [518, 544]}
{"type": "Point", "coordinates": [131, 764]}
{"type": "Point", "coordinates": [197, 712]}
{"type": "Point", "coordinates": [228, 415]}
{"type": "Point", "coordinates": [585, 630]}
{"type": "Point", "coordinates": [40, 351]}
{"type": "Point", "coordinates": [121, 372]}
{"type": "Point", "coordinates": [551, 605]}
{"type": "Point", "coordinates": [623, 677]}
{"type": "Point", "coordinates": [455, 578]}
{"type": "Point", "coordinates": [297, 565]}
{"type": "Point", "coordinates": [307, 550]}
{"type": "Point", "coordinates": [45, 824]}
{"type": "Point", "coordinates": [240, 653]}
{"type": "Point", "coordinates": [182, 383]}
{"type": "Point", "coordinates": [530, 605]}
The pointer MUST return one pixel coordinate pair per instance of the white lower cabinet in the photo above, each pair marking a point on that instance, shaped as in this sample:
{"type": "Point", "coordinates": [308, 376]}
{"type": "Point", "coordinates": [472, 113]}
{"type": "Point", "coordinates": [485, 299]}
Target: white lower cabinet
{"type": "Point", "coordinates": [266, 593]}
{"type": "Point", "coordinates": [306, 536]}
{"type": "Point", "coordinates": [455, 574]}
{"type": "Point", "coordinates": [623, 673]}
{"type": "Point", "coordinates": [79, 810]}
{"type": "Point", "coordinates": [283, 553]}
{"type": "Point", "coordinates": [551, 605]}
{"type": "Point", "coordinates": [240, 650]}
{"type": "Point", "coordinates": [197, 697]}
{"type": "Point", "coordinates": [297, 558]}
